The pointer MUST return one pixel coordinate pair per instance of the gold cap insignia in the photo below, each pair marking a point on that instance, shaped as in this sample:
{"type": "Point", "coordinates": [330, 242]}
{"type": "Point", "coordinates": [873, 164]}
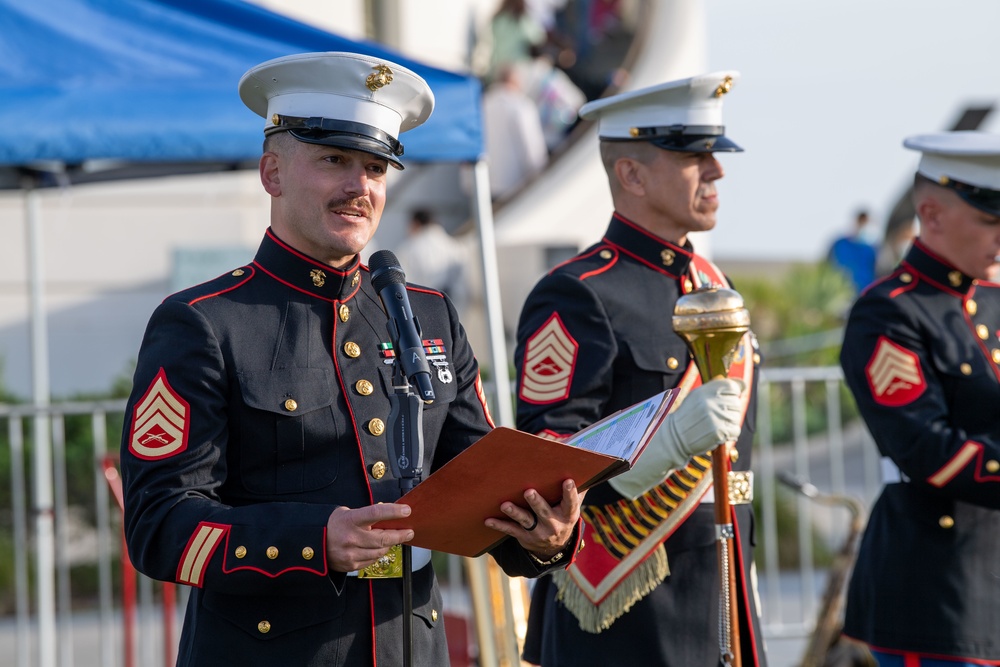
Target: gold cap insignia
{"type": "Point", "coordinates": [634, 131]}
{"type": "Point", "coordinates": [943, 180]}
{"type": "Point", "coordinates": [724, 87]}
{"type": "Point", "coordinates": [382, 77]}
{"type": "Point", "coordinates": [318, 277]}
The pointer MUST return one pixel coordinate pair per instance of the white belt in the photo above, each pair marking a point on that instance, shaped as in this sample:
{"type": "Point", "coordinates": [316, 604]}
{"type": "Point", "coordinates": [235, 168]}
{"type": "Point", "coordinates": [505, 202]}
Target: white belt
{"type": "Point", "coordinates": [891, 474]}
{"type": "Point", "coordinates": [420, 558]}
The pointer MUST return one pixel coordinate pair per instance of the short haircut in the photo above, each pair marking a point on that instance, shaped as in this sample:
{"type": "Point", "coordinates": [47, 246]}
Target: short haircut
{"type": "Point", "coordinates": [276, 141]}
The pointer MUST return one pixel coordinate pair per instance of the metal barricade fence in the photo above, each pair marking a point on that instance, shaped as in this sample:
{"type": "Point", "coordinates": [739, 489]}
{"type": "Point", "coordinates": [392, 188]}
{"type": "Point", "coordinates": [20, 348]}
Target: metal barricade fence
{"type": "Point", "coordinates": [90, 626]}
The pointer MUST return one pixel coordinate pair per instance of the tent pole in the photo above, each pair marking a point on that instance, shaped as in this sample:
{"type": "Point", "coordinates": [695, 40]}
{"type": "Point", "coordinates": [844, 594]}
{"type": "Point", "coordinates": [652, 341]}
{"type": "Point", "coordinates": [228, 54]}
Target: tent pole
{"type": "Point", "coordinates": [42, 455]}
{"type": "Point", "coordinates": [483, 207]}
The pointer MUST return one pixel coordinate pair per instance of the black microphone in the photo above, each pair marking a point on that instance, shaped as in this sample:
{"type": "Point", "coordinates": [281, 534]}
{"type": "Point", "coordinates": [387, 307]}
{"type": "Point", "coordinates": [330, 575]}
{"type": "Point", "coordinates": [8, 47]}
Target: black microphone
{"type": "Point", "coordinates": [389, 281]}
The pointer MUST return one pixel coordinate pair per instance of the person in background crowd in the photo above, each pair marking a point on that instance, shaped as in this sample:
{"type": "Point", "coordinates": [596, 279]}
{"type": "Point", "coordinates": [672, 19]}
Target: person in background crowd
{"type": "Point", "coordinates": [434, 258]}
{"type": "Point", "coordinates": [515, 141]}
{"type": "Point", "coordinates": [854, 255]}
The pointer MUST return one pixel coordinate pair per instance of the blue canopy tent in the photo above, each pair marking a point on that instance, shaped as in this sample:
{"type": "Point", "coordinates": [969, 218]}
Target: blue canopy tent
{"type": "Point", "coordinates": [96, 90]}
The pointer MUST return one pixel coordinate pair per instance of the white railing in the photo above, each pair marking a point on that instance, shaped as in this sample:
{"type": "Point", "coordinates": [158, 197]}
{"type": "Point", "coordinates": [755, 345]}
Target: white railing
{"type": "Point", "coordinates": [840, 461]}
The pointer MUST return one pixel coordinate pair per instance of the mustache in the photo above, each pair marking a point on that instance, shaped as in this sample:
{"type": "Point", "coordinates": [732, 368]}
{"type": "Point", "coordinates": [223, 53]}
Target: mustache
{"type": "Point", "coordinates": [359, 203]}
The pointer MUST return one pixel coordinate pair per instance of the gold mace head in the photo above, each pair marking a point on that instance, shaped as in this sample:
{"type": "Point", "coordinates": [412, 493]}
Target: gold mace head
{"type": "Point", "coordinates": [712, 321]}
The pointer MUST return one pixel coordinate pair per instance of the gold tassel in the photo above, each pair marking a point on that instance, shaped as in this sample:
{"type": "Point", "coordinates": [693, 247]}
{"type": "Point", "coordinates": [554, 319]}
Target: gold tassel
{"type": "Point", "coordinates": [638, 584]}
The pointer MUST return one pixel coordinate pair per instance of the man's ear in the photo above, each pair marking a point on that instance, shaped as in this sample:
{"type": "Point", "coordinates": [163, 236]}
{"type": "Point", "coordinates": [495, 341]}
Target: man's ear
{"type": "Point", "coordinates": [929, 209]}
{"type": "Point", "coordinates": [629, 174]}
{"type": "Point", "coordinates": [270, 174]}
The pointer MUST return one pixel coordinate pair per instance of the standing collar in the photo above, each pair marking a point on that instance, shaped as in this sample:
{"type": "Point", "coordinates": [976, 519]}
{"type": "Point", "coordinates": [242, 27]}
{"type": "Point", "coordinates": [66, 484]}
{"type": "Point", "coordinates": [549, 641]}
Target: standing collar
{"type": "Point", "coordinates": [289, 266]}
{"type": "Point", "coordinates": [648, 248]}
{"type": "Point", "coordinates": [930, 266]}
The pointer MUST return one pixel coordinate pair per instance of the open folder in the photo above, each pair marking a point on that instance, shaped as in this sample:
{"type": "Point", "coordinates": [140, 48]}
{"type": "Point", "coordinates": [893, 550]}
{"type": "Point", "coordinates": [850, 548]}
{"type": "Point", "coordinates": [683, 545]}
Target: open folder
{"type": "Point", "coordinates": [449, 508]}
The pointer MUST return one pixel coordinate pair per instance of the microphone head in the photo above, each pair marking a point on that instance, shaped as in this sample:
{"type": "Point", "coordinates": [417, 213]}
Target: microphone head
{"type": "Point", "coordinates": [385, 270]}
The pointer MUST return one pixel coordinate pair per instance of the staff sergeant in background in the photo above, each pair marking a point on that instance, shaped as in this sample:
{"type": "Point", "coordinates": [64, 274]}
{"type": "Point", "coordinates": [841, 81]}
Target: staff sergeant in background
{"type": "Point", "coordinates": [595, 336]}
{"type": "Point", "coordinates": [254, 455]}
{"type": "Point", "coordinates": [921, 354]}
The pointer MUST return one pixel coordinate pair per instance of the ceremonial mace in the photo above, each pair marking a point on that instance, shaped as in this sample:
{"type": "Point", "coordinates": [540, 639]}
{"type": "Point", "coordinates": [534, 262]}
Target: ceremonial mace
{"type": "Point", "coordinates": [712, 321]}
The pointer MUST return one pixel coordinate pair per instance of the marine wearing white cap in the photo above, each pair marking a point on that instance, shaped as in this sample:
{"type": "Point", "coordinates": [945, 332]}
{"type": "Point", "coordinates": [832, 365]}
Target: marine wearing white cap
{"type": "Point", "coordinates": [339, 99]}
{"type": "Point", "coordinates": [683, 115]}
{"type": "Point", "coordinates": [968, 162]}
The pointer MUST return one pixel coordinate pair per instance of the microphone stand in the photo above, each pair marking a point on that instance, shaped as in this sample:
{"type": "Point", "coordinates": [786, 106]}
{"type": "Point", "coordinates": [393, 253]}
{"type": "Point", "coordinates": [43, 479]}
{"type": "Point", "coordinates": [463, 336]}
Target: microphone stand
{"type": "Point", "coordinates": [406, 455]}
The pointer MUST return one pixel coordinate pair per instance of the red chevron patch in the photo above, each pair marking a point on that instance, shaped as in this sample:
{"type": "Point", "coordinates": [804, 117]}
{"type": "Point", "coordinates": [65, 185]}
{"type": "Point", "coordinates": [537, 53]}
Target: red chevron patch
{"type": "Point", "coordinates": [894, 374]}
{"type": "Point", "coordinates": [159, 422]}
{"type": "Point", "coordinates": [549, 360]}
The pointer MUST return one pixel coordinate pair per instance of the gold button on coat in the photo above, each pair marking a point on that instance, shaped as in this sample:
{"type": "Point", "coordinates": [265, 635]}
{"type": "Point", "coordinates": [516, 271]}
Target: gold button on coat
{"type": "Point", "coordinates": [308, 553]}
{"type": "Point", "coordinates": [263, 627]}
{"type": "Point", "coordinates": [238, 272]}
{"type": "Point", "coordinates": [966, 369]}
{"type": "Point", "coordinates": [352, 349]}
{"type": "Point", "coordinates": [971, 307]}
{"type": "Point", "coordinates": [364, 387]}
{"type": "Point", "coordinates": [606, 254]}
{"type": "Point", "coordinates": [992, 466]}
{"type": "Point", "coordinates": [982, 331]}
{"type": "Point", "coordinates": [291, 405]}
{"type": "Point", "coordinates": [996, 356]}
{"type": "Point", "coordinates": [241, 552]}
{"type": "Point", "coordinates": [345, 313]}
{"type": "Point", "coordinates": [434, 614]}
{"type": "Point", "coordinates": [672, 363]}
{"type": "Point", "coordinates": [376, 426]}
{"type": "Point", "coordinates": [905, 277]}
{"type": "Point", "coordinates": [946, 522]}
{"type": "Point", "coordinates": [688, 286]}
{"type": "Point", "coordinates": [378, 470]}
{"type": "Point", "coordinates": [272, 552]}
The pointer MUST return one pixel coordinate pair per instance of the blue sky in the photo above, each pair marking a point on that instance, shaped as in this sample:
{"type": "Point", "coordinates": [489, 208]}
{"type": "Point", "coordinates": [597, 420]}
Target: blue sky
{"type": "Point", "coordinates": [827, 94]}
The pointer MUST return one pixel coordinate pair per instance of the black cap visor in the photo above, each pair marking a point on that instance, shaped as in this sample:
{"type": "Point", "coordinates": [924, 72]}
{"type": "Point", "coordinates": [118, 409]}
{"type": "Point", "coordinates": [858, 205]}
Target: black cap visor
{"type": "Point", "coordinates": [692, 143]}
{"type": "Point", "coordinates": [685, 138]}
{"type": "Point", "coordinates": [984, 199]}
{"type": "Point", "coordinates": [342, 134]}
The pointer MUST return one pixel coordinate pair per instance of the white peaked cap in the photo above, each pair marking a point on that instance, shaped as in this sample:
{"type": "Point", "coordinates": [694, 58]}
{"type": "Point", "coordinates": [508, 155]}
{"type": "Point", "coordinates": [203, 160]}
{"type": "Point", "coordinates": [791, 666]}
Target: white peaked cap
{"type": "Point", "coordinates": [684, 115]}
{"type": "Point", "coordinates": [340, 99]}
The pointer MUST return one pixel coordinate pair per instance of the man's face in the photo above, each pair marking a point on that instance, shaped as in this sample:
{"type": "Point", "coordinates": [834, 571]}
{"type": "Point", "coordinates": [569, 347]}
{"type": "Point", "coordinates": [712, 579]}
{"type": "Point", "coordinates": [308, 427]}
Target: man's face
{"type": "Point", "coordinates": [971, 241]}
{"type": "Point", "coordinates": [681, 191]}
{"type": "Point", "coordinates": [327, 200]}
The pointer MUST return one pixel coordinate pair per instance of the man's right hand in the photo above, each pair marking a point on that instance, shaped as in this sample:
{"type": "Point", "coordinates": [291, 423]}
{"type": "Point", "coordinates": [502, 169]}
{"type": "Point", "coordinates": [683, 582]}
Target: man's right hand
{"type": "Point", "coordinates": [709, 416]}
{"type": "Point", "coordinates": [352, 543]}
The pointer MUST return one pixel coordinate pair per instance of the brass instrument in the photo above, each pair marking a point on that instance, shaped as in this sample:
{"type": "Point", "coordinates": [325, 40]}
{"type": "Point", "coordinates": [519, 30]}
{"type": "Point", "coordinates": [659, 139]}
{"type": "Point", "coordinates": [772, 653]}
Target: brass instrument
{"type": "Point", "coordinates": [712, 321]}
{"type": "Point", "coordinates": [826, 646]}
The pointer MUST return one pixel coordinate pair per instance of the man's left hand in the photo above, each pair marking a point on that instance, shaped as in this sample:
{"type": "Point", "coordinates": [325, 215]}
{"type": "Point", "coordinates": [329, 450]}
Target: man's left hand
{"type": "Point", "coordinates": [544, 529]}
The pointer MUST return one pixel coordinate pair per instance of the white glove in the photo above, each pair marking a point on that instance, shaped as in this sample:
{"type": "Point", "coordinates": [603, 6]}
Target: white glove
{"type": "Point", "coordinates": [709, 416]}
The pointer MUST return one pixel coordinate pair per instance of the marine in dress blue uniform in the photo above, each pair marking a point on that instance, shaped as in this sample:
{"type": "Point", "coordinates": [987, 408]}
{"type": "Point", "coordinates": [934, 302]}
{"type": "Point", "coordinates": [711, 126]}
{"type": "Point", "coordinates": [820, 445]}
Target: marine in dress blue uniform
{"type": "Point", "coordinates": [595, 336]}
{"type": "Point", "coordinates": [921, 355]}
{"type": "Point", "coordinates": [260, 409]}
